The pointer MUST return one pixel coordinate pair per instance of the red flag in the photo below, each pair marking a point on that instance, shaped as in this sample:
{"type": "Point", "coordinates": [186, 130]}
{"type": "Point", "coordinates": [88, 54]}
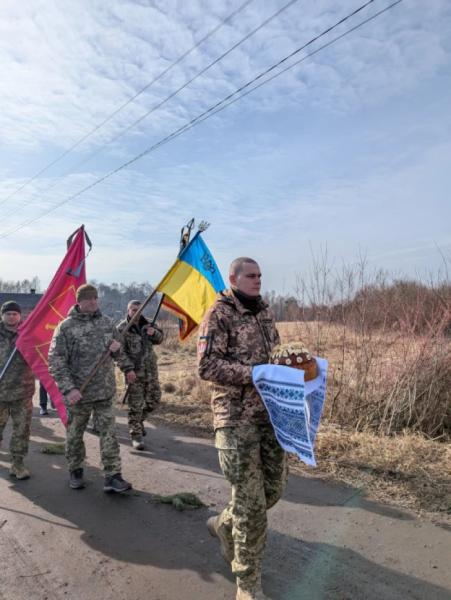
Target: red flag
{"type": "Point", "coordinates": [35, 334]}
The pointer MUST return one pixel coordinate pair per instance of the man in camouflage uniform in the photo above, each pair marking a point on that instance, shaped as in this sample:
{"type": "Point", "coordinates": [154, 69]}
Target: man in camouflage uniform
{"type": "Point", "coordinates": [145, 393]}
{"type": "Point", "coordinates": [16, 390]}
{"type": "Point", "coordinates": [77, 345]}
{"type": "Point", "coordinates": [237, 333]}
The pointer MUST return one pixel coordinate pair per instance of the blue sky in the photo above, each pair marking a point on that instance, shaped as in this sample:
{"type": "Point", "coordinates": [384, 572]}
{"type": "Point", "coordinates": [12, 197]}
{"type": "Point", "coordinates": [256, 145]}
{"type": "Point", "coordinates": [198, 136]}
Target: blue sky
{"type": "Point", "coordinates": [351, 150]}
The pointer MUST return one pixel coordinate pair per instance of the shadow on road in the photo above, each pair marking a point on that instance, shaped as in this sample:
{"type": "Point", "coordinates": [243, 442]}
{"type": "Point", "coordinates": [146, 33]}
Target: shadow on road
{"type": "Point", "coordinates": [178, 447]}
{"type": "Point", "coordinates": [134, 529]}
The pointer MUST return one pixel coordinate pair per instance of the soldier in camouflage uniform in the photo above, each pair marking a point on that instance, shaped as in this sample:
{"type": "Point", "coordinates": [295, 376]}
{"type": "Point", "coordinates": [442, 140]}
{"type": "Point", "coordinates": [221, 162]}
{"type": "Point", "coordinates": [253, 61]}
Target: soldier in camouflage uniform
{"type": "Point", "coordinates": [237, 333]}
{"type": "Point", "coordinates": [16, 390]}
{"type": "Point", "coordinates": [144, 394]}
{"type": "Point", "coordinates": [77, 345]}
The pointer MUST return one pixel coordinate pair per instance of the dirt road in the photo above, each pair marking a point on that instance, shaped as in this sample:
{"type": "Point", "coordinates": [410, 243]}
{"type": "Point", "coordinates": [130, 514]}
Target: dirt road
{"type": "Point", "coordinates": [325, 542]}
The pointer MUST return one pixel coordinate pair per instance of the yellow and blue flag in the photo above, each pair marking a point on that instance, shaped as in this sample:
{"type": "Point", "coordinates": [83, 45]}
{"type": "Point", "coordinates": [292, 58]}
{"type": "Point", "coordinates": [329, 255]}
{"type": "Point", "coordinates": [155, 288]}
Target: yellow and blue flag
{"type": "Point", "coordinates": [191, 285]}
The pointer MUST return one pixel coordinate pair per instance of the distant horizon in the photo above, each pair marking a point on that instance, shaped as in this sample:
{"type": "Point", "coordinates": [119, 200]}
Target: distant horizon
{"type": "Point", "coordinates": [369, 277]}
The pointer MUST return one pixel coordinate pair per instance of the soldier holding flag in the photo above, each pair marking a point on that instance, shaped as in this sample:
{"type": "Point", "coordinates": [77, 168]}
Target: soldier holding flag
{"type": "Point", "coordinates": [16, 389]}
{"type": "Point", "coordinates": [144, 394]}
{"type": "Point", "coordinates": [78, 343]}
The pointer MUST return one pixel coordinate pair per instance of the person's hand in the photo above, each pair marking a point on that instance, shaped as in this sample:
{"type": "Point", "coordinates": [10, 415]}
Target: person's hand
{"type": "Point", "coordinates": [150, 330]}
{"type": "Point", "coordinates": [114, 346]}
{"type": "Point", "coordinates": [130, 377]}
{"type": "Point", "coordinates": [73, 396]}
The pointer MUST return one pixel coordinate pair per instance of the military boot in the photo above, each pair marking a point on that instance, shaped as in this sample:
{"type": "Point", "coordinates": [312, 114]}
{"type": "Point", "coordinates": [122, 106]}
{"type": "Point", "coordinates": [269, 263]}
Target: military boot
{"type": "Point", "coordinates": [137, 442]}
{"type": "Point", "coordinates": [76, 481]}
{"type": "Point", "coordinates": [224, 537]}
{"type": "Point", "coordinates": [115, 483]}
{"type": "Point", "coordinates": [18, 470]}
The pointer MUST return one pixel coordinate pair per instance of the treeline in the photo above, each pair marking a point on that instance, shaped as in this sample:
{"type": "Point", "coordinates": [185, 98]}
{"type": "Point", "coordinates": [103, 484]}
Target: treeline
{"type": "Point", "coordinates": [115, 297]}
{"type": "Point", "coordinates": [401, 305]}
{"type": "Point", "coordinates": [406, 306]}
{"type": "Point", "coordinates": [20, 287]}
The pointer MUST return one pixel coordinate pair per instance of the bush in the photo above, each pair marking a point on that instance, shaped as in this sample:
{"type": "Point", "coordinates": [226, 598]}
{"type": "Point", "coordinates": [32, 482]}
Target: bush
{"type": "Point", "coordinates": [388, 346]}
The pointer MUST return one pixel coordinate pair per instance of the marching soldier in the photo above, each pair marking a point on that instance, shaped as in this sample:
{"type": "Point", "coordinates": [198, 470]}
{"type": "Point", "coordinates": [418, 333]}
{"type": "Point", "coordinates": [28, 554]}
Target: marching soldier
{"type": "Point", "coordinates": [144, 393]}
{"type": "Point", "coordinates": [16, 390]}
{"type": "Point", "coordinates": [237, 333]}
{"type": "Point", "coordinates": [77, 345]}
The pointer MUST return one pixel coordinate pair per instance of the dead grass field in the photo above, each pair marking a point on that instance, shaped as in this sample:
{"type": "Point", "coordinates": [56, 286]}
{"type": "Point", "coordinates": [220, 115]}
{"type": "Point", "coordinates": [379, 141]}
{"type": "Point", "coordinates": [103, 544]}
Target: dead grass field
{"type": "Point", "coordinates": [406, 468]}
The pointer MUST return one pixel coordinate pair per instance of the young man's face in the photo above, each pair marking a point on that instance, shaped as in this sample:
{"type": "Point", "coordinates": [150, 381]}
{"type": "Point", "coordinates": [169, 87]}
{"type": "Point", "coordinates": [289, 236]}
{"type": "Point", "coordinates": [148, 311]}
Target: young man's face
{"type": "Point", "coordinates": [89, 306]}
{"type": "Point", "coordinates": [11, 318]}
{"type": "Point", "coordinates": [248, 279]}
{"type": "Point", "coordinates": [133, 309]}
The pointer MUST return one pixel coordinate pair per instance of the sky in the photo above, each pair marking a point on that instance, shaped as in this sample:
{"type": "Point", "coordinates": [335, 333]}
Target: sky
{"type": "Point", "coordinates": [348, 152]}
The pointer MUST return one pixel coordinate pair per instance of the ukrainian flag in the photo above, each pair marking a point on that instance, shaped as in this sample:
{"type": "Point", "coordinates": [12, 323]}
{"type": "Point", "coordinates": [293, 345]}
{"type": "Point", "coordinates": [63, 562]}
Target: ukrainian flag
{"type": "Point", "coordinates": [191, 285]}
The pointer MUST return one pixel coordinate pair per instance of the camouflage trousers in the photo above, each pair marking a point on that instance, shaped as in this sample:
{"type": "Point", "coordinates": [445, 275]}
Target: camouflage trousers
{"type": "Point", "coordinates": [256, 467]}
{"type": "Point", "coordinates": [77, 420]}
{"type": "Point", "coordinates": [20, 413]}
{"type": "Point", "coordinates": [143, 397]}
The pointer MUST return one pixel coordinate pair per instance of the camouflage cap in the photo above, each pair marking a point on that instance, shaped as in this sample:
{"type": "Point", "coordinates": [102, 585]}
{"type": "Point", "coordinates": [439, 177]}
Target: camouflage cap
{"type": "Point", "coordinates": [86, 292]}
{"type": "Point", "coordinates": [10, 306]}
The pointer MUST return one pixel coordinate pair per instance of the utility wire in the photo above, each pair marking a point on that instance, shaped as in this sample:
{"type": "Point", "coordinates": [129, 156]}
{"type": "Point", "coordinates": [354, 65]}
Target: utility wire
{"type": "Point", "coordinates": [162, 102]}
{"type": "Point", "coordinates": [225, 103]}
{"type": "Point", "coordinates": [130, 100]}
{"type": "Point", "coordinates": [190, 124]}
{"type": "Point", "coordinates": [218, 107]}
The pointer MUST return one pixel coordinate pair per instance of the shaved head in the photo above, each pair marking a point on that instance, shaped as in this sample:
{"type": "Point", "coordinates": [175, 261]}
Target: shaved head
{"type": "Point", "coordinates": [245, 276]}
{"type": "Point", "coordinates": [237, 265]}
{"type": "Point", "coordinates": [134, 303]}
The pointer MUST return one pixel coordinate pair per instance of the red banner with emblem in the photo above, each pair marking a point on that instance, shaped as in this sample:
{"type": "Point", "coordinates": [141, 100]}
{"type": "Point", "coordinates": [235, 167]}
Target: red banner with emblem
{"type": "Point", "coordinates": [35, 334]}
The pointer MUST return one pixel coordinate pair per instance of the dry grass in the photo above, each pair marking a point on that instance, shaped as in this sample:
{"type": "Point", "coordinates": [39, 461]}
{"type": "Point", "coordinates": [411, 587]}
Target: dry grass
{"type": "Point", "coordinates": [406, 469]}
{"type": "Point", "coordinates": [382, 381]}
{"type": "Point", "coordinates": [186, 400]}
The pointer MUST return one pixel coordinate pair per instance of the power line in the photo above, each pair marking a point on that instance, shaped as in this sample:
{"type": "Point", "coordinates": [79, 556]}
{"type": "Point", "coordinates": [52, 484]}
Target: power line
{"type": "Point", "coordinates": [130, 100]}
{"type": "Point", "coordinates": [16, 209]}
{"type": "Point", "coordinates": [224, 103]}
{"type": "Point", "coordinates": [218, 107]}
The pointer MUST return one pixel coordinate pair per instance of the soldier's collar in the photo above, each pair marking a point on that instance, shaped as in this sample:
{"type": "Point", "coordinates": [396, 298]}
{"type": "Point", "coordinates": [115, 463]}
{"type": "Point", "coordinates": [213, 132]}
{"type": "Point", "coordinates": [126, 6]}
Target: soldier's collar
{"type": "Point", "coordinates": [230, 297]}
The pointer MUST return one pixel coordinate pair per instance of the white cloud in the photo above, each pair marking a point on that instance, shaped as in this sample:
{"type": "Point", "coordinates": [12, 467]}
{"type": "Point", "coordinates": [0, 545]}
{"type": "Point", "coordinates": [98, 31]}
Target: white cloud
{"type": "Point", "coordinates": [71, 64]}
{"type": "Point", "coordinates": [77, 62]}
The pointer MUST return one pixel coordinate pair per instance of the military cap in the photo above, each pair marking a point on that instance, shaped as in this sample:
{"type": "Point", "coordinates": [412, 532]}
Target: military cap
{"type": "Point", "coordinates": [86, 292]}
{"type": "Point", "coordinates": [11, 306]}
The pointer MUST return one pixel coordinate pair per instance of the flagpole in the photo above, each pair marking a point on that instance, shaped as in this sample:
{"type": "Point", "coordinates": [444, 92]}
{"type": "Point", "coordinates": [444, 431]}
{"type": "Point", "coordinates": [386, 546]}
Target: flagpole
{"type": "Point", "coordinates": [106, 353]}
{"type": "Point", "coordinates": [185, 235]}
{"type": "Point", "coordinates": [8, 362]}
{"type": "Point", "coordinates": [123, 399]}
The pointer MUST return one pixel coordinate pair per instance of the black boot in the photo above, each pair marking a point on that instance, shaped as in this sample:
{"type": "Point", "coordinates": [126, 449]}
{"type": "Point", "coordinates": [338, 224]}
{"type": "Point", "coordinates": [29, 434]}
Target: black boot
{"type": "Point", "coordinates": [115, 483]}
{"type": "Point", "coordinates": [137, 442]}
{"type": "Point", "coordinates": [76, 481]}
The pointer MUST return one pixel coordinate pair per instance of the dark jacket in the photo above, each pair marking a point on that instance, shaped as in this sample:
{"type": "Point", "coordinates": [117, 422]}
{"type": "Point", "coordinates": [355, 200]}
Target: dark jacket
{"type": "Point", "coordinates": [138, 346]}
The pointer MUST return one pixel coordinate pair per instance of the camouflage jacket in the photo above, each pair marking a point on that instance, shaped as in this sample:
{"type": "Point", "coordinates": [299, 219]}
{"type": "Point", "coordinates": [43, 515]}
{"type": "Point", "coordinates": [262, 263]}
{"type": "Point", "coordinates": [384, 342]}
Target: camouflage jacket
{"type": "Point", "coordinates": [138, 346]}
{"type": "Point", "coordinates": [18, 382]}
{"type": "Point", "coordinates": [77, 344]}
{"type": "Point", "coordinates": [231, 341]}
